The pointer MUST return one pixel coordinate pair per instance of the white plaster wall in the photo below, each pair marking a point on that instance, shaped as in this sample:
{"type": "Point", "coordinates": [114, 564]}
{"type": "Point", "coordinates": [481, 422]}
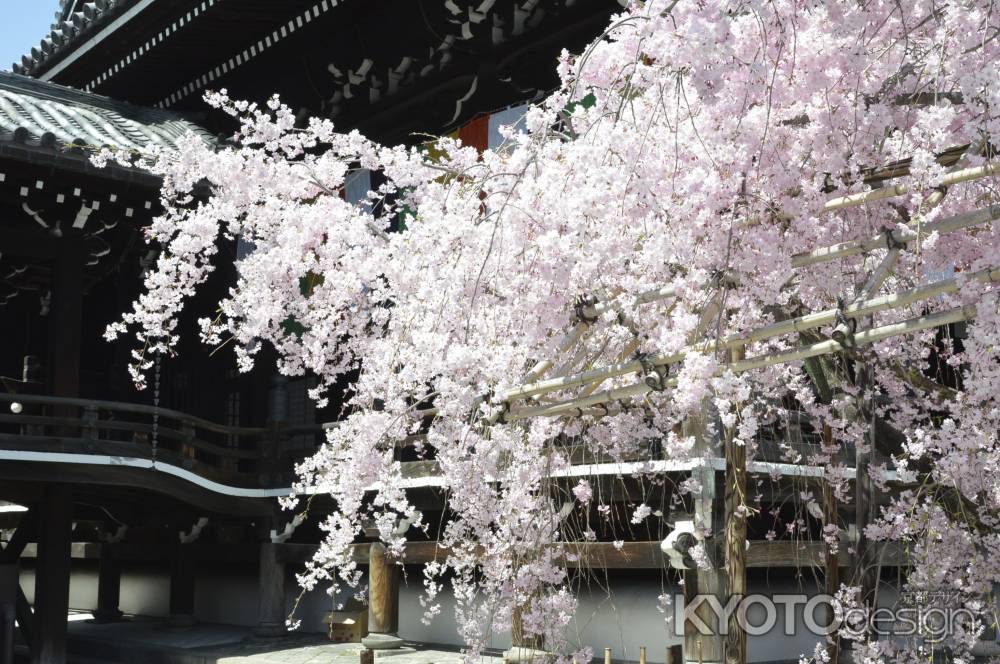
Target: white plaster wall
{"type": "Point", "coordinates": [622, 618]}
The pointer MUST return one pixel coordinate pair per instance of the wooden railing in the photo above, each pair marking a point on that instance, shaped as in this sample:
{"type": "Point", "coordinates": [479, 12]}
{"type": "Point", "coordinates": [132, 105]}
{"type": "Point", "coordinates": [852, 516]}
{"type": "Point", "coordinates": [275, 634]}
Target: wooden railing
{"type": "Point", "coordinates": [241, 456]}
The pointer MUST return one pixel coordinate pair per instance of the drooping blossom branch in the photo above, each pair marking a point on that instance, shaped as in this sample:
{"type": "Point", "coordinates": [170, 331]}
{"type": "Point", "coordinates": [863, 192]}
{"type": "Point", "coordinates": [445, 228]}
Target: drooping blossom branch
{"type": "Point", "coordinates": [692, 147]}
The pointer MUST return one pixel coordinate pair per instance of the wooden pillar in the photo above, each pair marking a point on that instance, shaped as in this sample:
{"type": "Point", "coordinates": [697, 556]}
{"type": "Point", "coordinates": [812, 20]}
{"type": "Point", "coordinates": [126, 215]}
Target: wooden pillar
{"type": "Point", "coordinates": [271, 612]}
{"type": "Point", "coordinates": [109, 578]}
{"type": "Point", "coordinates": [65, 315]}
{"type": "Point", "coordinates": [736, 537]}
{"type": "Point", "coordinates": [52, 576]}
{"type": "Point", "coordinates": [182, 580]}
{"type": "Point", "coordinates": [383, 601]}
{"type": "Point", "coordinates": [9, 585]}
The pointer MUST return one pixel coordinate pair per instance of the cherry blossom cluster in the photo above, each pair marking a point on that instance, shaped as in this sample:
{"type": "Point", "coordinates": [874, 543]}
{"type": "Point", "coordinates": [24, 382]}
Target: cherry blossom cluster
{"type": "Point", "coordinates": [691, 146]}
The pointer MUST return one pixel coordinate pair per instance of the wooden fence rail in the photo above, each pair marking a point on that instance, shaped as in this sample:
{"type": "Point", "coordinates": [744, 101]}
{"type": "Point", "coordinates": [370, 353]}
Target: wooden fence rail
{"type": "Point", "coordinates": [241, 456]}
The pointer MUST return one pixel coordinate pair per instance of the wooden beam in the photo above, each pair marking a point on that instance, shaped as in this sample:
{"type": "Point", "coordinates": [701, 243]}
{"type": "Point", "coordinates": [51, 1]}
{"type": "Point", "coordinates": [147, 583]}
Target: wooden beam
{"type": "Point", "coordinates": [22, 536]}
{"type": "Point", "coordinates": [25, 619]}
{"type": "Point", "coordinates": [629, 555]}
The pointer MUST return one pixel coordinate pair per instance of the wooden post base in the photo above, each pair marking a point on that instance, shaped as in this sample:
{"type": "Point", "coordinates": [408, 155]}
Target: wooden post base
{"type": "Point", "coordinates": [522, 655]}
{"type": "Point", "coordinates": [378, 641]}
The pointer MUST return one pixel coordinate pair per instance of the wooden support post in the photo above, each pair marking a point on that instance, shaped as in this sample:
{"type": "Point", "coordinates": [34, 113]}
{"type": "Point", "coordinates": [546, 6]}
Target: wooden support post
{"type": "Point", "coordinates": [523, 649]}
{"type": "Point", "coordinates": [736, 537]}
{"type": "Point", "coordinates": [383, 601]}
{"type": "Point", "coordinates": [517, 629]}
{"type": "Point", "coordinates": [271, 592]}
{"type": "Point", "coordinates": [831, 569]}
{"type": "Point", "coordinates": [109, 577]}
{"type": "Point", "coordinates": [52, 576]}
{"type": "Point", "coordinates": [65, 318]}
{"type": "Point", "coordinates": [864, 504]}
{"type": "Point", "coordinates": [182, 590]}
{"type": "Point", "coordinates": [831, 574]}
{"type": "Point", "coordinates": [704, 648]}
{"type": "Point", "coordinates": [9, 585]}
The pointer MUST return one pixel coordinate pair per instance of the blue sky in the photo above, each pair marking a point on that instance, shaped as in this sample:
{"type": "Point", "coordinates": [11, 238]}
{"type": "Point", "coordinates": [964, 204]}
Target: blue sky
{"type": "Point", "coordinates": [23, 23]}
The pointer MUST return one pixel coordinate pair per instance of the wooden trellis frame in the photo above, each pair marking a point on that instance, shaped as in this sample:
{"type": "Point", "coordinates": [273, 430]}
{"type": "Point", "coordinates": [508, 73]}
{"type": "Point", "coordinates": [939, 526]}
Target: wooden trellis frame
{"type": "Point", "coordinates": [522, 402]}
{"type": "Point", "coordinates": [526, 401]}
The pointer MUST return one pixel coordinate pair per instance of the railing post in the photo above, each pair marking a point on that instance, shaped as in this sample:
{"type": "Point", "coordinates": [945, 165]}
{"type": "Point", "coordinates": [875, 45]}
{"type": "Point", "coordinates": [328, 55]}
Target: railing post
{"type": "Point", "coordinates": [187, 449]}
{"type": "Point", "coordinates": [89, 429]}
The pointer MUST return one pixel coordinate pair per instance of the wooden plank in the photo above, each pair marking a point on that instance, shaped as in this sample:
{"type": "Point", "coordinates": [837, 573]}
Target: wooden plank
{"type": "Point", "coordinates": [785, 553]}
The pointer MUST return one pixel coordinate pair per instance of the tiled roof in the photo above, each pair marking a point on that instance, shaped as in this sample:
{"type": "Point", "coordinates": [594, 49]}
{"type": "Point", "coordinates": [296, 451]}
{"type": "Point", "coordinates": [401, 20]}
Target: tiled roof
{"type": "Point", "coordinates": [74, 20]}
{"type": "Point", "coordinates": [53, 116]}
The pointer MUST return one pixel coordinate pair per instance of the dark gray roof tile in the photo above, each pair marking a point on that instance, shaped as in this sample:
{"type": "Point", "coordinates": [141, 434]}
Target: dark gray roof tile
{"type": "Point", "coordinates": [49, 115]}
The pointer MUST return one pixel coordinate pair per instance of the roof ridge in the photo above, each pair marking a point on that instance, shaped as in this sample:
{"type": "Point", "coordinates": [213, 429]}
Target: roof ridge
{"type": "Point", "coordinates": [74, 19]}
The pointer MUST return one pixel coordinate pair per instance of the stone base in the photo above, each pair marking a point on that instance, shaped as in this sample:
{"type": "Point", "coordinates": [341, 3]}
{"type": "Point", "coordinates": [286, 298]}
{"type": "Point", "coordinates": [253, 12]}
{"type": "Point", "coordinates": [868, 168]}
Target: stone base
{"type": "Point", "coordinates": [107, 615]}
{"type": "Point", "coordinates": [376, 641]}
{"type": "Point", "coordinates": [270, 630]}
{"type": "Point", "coordinates": [181, 620]}
{"type": "Point", "coordinates": [522, 655]}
